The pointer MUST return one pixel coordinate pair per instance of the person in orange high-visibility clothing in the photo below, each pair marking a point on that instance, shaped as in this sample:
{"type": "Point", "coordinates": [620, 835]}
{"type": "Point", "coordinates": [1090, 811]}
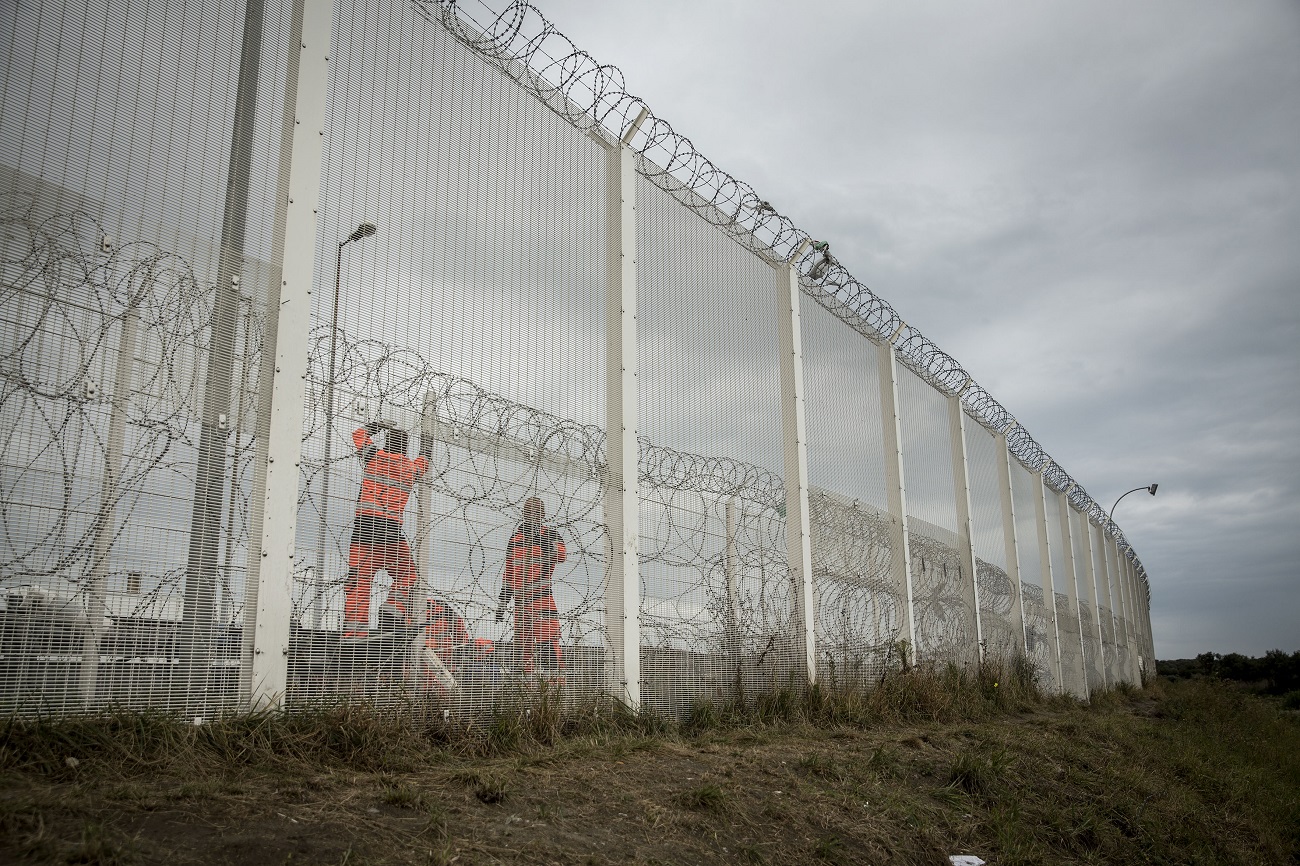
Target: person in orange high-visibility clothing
{"type": "Point", "coordinates": [531, 557]}
{"type": "Point", "coordinates": [377, 539]}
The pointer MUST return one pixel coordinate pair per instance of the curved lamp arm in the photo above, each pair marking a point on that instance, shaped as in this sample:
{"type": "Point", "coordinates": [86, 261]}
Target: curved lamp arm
{"type": "Point", "coordinates": [1150, 488]}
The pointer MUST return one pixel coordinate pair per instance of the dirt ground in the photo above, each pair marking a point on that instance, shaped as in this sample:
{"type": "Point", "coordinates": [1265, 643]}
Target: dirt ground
{"type": "Point", "coordinates": [739, 796]}
{"type": "Point", "coordinates": [1037, 786]}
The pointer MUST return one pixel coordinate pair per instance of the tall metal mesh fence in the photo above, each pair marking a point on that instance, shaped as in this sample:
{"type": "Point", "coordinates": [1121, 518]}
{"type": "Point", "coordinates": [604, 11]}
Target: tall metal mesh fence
{"type": "Point", "coordinates": [519, 273]}
{"type": "Point", "coordinates": [140, 171]}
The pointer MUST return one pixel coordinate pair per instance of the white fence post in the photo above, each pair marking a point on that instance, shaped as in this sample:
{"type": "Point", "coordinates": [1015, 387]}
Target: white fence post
{"type": "Point", "coordinates": [621, 481]}
{"type": "Point", "coordinates": [268, 598]}
{"type": "Point", "coordinates": [1097, 545]}
{"type": "Point", "coordinates": [965, 528]}
{"type": "Point", "coordinates": [798, 533]}
{"type": "Point", "coordinates": [1135, 618]}
{"type": "Point", "coordinates": [1009, 540]}
{"type": "Point", "coordinates": [895, 483]}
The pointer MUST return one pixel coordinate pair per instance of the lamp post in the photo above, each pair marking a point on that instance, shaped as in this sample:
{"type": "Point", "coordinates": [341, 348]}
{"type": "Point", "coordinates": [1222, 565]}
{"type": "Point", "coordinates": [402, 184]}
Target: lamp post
{"type": "Point", "coordinates": [364, 230]}
{"type": "Point", "coordinates": [1150, 488]}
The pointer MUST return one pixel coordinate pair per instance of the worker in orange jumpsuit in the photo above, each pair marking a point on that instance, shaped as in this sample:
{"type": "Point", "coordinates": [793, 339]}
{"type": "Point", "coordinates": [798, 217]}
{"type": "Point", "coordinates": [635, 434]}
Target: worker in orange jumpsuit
{"type": "Point", "coordinates": [531, 556]}
{"type": "Point", "coordinates": [377, 539]}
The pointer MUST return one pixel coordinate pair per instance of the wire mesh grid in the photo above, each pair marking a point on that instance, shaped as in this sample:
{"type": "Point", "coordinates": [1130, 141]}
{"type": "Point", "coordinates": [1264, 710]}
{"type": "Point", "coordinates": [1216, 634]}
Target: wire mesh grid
{"type": "Point", "coordinates": [452, 541]}
{"type": "Point", "coordinates": [1040, 627]}
{"type": "Point", "coordinates": [138, 229]}
{"type": "Point", "coordinates": [453, 536]}
{"type": "Point", "coordinates": [857, 560]}
{"type": "Point", "coordinates": [1003, 633]}
{"type": "Point", "coordinates": [1069, 638]}
{"type": "Point", "coordinates": [943, 597]}
{"type": "Point", "coordinates": [718, 602]}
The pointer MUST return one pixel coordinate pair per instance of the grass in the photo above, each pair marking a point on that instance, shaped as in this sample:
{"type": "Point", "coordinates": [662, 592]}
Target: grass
{"type": "Point", "coordinates": [927, 763]}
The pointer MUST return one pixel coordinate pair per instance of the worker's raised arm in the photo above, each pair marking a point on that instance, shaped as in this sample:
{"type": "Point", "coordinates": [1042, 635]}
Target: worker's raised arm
{"type": "Point", "coordinates": [363, 439]}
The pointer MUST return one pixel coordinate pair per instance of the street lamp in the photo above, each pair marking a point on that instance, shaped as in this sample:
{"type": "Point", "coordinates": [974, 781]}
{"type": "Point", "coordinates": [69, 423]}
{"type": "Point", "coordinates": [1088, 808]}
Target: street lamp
{"type": "Point", "coordinates": [1150, 488]}
{"type": "Point", "coordinates": [364, 230]}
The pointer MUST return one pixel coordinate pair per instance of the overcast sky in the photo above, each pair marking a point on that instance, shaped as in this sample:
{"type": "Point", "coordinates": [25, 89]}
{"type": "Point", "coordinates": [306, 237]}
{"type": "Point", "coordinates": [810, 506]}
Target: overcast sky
{"type": "Point", "coordinates": [1095, 207]}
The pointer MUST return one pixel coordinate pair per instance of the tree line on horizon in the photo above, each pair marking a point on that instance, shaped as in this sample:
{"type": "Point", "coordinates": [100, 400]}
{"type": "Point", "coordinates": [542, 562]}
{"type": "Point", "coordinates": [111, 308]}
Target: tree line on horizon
{"type": "Point", "coordinates": [1276, 672]}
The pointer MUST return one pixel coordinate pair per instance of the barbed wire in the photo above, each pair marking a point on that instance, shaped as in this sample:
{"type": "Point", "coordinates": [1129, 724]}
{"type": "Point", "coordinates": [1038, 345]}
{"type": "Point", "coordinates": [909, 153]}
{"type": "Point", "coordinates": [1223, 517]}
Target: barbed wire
{"type": "Point", "coordinates": [98, 330]}
{"type": "Point", "coordinates": [527, 47]}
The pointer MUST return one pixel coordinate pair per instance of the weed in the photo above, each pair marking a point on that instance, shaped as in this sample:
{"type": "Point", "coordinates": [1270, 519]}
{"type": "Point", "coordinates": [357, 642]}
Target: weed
{"type": "Point", "coordinates": [102, 846]}
{"type": "Point", "coordinates": [706, 798]}
{"type": "Point", "coordinates": [491, 792]}
{"type": "Point", "coordinates": [780, 706]}
{"type": "Point", "coordinates": [815, 763]}
{"type": "Point", "coordinates": [703, 716]}
{"type": "Point", "coordinates": [979, 772]}
{"type": "Point", "coordinates": [950, 796]}
{"type": "Point", "coordinates": [831, 849]}
{"type": "Point", "coordinates": [883, 762]}
{"type": "Point", "coordinates": [405, 796]}
{"type": "Point", "coordinates": [440, 857]}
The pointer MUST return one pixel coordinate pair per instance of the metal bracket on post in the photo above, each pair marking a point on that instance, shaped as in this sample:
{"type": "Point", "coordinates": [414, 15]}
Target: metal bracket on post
{"type": "Point", "coordinates": [636, 124]}
{"type": "Point", "coordinates": [621, 482]}
{"type": "Point", "coordinates": [269, 602]}
{"type": "Point", "coordinates": [798, 532]}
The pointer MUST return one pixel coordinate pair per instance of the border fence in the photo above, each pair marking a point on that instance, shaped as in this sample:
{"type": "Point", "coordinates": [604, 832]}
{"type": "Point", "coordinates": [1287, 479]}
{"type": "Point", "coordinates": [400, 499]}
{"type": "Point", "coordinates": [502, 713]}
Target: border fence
{"type": "Point", "coordinates": [304, 303]}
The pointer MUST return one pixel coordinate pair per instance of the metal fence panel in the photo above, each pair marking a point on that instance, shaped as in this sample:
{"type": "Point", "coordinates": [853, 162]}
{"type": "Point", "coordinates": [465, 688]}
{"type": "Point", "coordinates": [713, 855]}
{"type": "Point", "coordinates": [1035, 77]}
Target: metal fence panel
{"type": "Point", "coordinates": [140, 218]}
{"type": "Point", "coordinates": [996, 587]}
{"type": "Point", "coordinates": [861, 612]}
{"type": "Point", "coordinates": [717, 608]}
{"type": "Point", "coordinates": [464, 333]}
{"type": "Point", "coordinates": [1040, 640]}
{"type": "Point", "coordinates": [942, 595]}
